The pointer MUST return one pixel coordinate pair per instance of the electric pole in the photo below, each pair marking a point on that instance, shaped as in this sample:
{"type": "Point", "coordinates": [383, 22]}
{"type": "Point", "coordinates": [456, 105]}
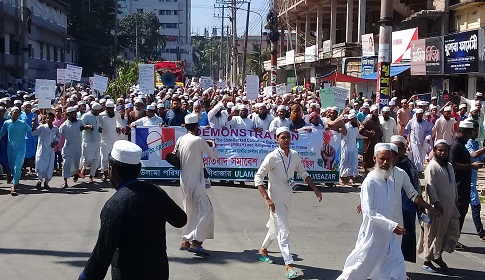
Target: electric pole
{"type": "Point", "coordinates": [234, 44]}
{"type": "Point", "coordinates": [245, 54]}
{"type": "Point", "coordinates": [25, 42]}
{"type": "Point", "coordinates": [221, 65]}
{"type": "Point", "coordinates": [115, 51]}
{"type": "Point", "coordinates": [273, 36]}
{"type": "Point", "coordinates": [383, 86]}
{"type": "Point", "coordinates": [223, 61]}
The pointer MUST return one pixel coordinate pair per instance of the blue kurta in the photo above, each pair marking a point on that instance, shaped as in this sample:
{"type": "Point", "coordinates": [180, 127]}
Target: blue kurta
{"type": "Point", "coordinates": [17, 132]}
{"type": "Point", "coordinates": [3, 151]}
{"type": "Point", "coordinates": [31, 140]}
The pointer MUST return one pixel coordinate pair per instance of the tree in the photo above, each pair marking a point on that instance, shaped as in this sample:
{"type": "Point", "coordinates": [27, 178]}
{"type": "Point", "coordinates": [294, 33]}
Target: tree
{"type": "Point", "coordinates": [206, 56]}
{"type": "Point", "coordinates": [150, 42]}
{"type": "Point", "coordinates": [128, 73]}
{"type": "Point", "coordinates": [254, 59]}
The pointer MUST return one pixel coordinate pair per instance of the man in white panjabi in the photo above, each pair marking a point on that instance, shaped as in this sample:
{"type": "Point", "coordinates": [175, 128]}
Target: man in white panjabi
{"type": "Point", "coordinates": [280, 120]}
{"type": "Point", "coordinates": [196, 202]}
{"type": "Point", "coordinates": [388, 124]}
{"type": "Point", "coordinates": [349, 155]}
{"type": "Point", "coordinates": [44, 157]}
{"type": "Point", "coordinates": [377, 254]}
{"type": "Point", "coordinates": [91, 142]}
{"type": "Point", "coordinates": [110, 124]}
{"type": "Point", "coordinates": [280, 166]}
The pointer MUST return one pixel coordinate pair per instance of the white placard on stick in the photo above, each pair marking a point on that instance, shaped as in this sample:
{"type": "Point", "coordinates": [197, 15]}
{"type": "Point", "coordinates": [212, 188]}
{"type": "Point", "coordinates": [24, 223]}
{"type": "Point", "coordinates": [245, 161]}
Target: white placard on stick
{"type": "Point", "coordinates": [61, 76]}
{"type": "Point", "coordinates": [206, 82]}
{"type": "Point", "coordinates": [252, 87]}
{"type": "Point", "coordinates": [280, 89]}
{"type": "Point", "coordinates": [100, 83]}
{"type": "Point", "coordinates": [74, 72]}
{"type": "Point", "coordinates": [146, 79]}
{"type": "Point", "coordinates": [45, 91]}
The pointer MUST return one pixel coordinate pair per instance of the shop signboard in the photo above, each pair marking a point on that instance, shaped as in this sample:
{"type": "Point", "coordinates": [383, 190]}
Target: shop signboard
{"type": "Point", "coordinates": [401, 44]}
{"type": "Point", "coordinates": [368, 65]}
{"type": "Point", "coordinates": [461, 52]}
{"type": "Point", "coordinates": [434, 56]}
{"type": "Point", "coordinates": [368, 46]}
{"type": "Point", "coordinates": [418, 57]}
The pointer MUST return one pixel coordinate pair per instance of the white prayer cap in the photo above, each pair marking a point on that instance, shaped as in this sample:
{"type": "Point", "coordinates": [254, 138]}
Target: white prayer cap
{"type": "Point", "coordinates": [478, 102]}
{"type": "Point", "coordinates": [351, 116]}
{"type": "Point", "coordinates": [447, 109]}
{"type": "Point", "coordinates": [419, 111]}
{"type": "Point", "coordinates": [26, 103]}
{"type": "Point", "coordinates": [373, 108]}
{"type": "Point", "coordinates": [392, 103]}
{"type": "Point", "coordinates": [346, 117]}
{"type": "Point", "coordinates": [102, 100]}
{"type": "Point", "coordinates": [14, 109]}
{"type": "Point", "coordinates": [138, 100]}
{"type": "Point", "coordinates": [381, 147]}
{"type": "Point", "coordinates": [466, 124]}
{"type": "Point", "coordinates": [160, 105]}
{"type": "Point", "coordinates": [281, 130]}
{"type": "Point", "coordinates": [126, 152]}
{"type": "Point", "coordinates": [259, 105]}
{"type": "Point", "coordinates": [352, 111]}
{"type": "Point", "coordinates": [427, 113]}
{"type": "Point", "coordinates": [243, 107]}
{"type": "Point", "coordinates": [434, 97]}
{"type": "Point", "coordinates": [365, 105]}
{"type": "Point", "coordinates": [119, 99]}
{"type": "Point", "coordinates": [96, 106]}
{"type": "Point", "coordinates": [82, 102]}
{"type": "Point", "coordinates": [230, 105]}
{"type": "Point", "coordinates": [440, 141]}
{"type": "Point", "coordinates": [328, 108]}
{"type": "Point", "coordinates": [314, 104]}
{"type": "Point", "coordinates": [110, 104]}
{"type": "Point", "coordinates": [17, 102]}
{"type": "Point", "coordinates": [191, 118]}
{"type": "Point", "coordinates": [70, 110]}
{"type": "Point", "coordinates": [386, 109]}
{"type": "Point", "coordinates": [473, 108]}
{"type": "Point", "coordinates": [394, 98]}
{"type": "Point", "coordinates": [431, 107]}
{"type": "Point", "coordinates": [129, 105]}
{"type": "Point", "coordinates": [479, 94]}
{"type": "Point", "coordinates": [462, 106]}
{"type": "Point", "coordinates": [335, 108]}
{"type": "Point", "coordinates": [151, 107]}
{"type": "Point", "coordinates": [404, 100]}
{"type": "Point", "coordinates": [394, 147]}
{"type": "Point", "coordinates": [281, 107]}
{"type": "Point", "coordinates": [398, 138]}
{"type": "Point", "coordinates": [411, 103]}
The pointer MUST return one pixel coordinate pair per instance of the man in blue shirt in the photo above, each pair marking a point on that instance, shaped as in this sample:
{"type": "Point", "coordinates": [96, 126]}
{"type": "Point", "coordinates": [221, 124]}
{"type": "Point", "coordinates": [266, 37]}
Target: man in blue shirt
{"type": "Point", "coordinates": [203, 118]}
{"type": "Point", "coordinates": [175, 117]}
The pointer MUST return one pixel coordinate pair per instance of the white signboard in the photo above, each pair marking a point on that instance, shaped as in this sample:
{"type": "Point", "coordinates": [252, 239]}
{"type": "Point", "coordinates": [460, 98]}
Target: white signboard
{"type": "Point", "coordinates": [327, 46]}
{"type": "Point", "coordinates": [206, 82]}
{"type": "Point", "coordinates": [311, 53]}
{"type": "Point", "coordinates": [100, 83]}
{"type": "Point", "coordinates": [221, 84]}
{"type": "Point", "coordinates": [341, 96]}
{"type": "Point", "coordinates": [74, 73]}
{"type": "Point", "coordinates": [252, 87]}
{"type": "Point", "coordinates": [280, 89]}
{"type": "Point", "coordinates": [290, 57]}
{"type": "Point", "coordinates": [368, 45]}
{"type": "Point", "coordinates": [268, 91]}
{"type": "Point", "coordinates": [45, 91]}
{"type": "Point", "coordinates": [401, 44]}
{"type": "Point", "coordinates": [61, 76]}
{"type": "Point", "coordinates": [146, 78]}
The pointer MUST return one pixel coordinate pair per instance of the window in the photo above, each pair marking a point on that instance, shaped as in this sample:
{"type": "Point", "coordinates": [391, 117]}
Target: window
{"type": "Point", "coordinates": [139, 10]}
{"type": "Point", "coordinates": [169, 13]}
{"type": "Point", "coordinates": [30, 50]}
{"type": "Point", "coordinates": [173, 50]}
{"type": "Point", "coordinates": [48, 52]}
{"type": "Point", "coordinates": [56, 52]}
{"type": "Point", "coordinates": [63, 55]}
{"type": "Point", "coordinates": [41, 45]}
{"type": "Point", "coordinates": [175, 12]}
{"type": "Point", "coordinates": [2, 45]}
{"type": "Point", "coordinates": [175, 0]}
{"type": "Point", "coordinates": [161, 12]}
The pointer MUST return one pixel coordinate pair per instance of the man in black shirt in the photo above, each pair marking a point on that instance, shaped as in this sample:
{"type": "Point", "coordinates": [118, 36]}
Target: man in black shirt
{"type": "Point", "coordinates": [460, 158]}
{"type": "Point", "coordinates": [132, 236]}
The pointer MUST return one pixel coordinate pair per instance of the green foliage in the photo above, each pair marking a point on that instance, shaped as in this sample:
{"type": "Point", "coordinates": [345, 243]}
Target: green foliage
{"type": "Point", "coordinates": [150, 42]}
{"type": "Point", "coordinates": [253, 61]}
{"type": "Point", "coordinates": [206, 54]}
{"type": "Point", "coordinates": [127, 76]}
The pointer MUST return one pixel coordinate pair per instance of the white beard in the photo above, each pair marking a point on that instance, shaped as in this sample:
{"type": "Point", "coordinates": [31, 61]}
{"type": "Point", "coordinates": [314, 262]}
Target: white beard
{"type": "Point", "coordinates": [381, 173]}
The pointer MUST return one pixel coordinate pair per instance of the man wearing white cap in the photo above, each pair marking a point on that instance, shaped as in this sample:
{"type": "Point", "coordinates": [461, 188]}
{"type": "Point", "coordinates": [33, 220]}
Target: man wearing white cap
{"type": "Point", "coordinates": [280, 120]}
{"type": "Point", "coordinates": [280, 166]}
{"type": "Point", "coordinates": [151, 119]}
{"type": "Point", "coordinates": [197, 205]}
{"type": "Point", "coordinates": [31, 140]}
{"type": "Point", "coordinates": [91, 142]}
{"type": "Point", "coordinates": [475, 116]}
{"type": "Point", "coordinates": [418, 133]}
{"type": "Point", "coordinates": [371, 129]}
{"type": "Point", "coordinates": [442, 234]}
{"type": "Point", "coordinates": [132, 237]}
{"type": "Point", "coordinates": [71, 152]}
{"type": "Point", "coordinates": [262, 119]}
{"type": "Point", "coordinates": [403, 116]}
{"type": "Point", "coordinates": [217, 115]}
{"type": "Point", "coordinates": [242, 121]}
{"type": "Point", "coordinates": [471, 102]}
{"type": "Point", "coordinates": [16, 129]}
{"type": "Point", "coordinates": [349, 156]}
{"type": "Point", "coordinates": [462, 111]}
{"type": "Point", "coordinates": [377, 253]}
{"type": "Point", "coordinates": [110, 125]}
{"type": "Point", "coordinates": [388, 124]}
{"type": "Point", "coordinates": [444, 126]}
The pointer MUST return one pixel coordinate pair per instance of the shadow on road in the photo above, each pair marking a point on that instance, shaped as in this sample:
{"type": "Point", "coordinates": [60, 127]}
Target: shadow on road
{"type": "Point", "coordinates": [450, 273]}
{"type": "Point", "coordinates": [74, 188]}
{"type": "Point", "coordinates": [39, 252]}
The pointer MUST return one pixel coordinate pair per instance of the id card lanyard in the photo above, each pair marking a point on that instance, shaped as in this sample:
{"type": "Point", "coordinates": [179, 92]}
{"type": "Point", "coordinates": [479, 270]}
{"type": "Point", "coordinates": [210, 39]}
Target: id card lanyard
{"type": "Point", "coordinates": [291, 182]}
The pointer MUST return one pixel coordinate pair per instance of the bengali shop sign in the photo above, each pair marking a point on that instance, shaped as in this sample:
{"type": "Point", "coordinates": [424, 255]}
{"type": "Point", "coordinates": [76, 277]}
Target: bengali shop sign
{"type": "Point", "coordinates": [241, 152]}
{"type": "Point", "coordinates": [462, 52]}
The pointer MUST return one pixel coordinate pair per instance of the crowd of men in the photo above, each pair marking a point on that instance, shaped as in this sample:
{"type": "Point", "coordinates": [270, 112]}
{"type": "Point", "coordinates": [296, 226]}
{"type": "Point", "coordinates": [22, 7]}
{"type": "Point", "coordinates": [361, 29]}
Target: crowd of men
{"type": "Point", "coordinates": [441, 144]}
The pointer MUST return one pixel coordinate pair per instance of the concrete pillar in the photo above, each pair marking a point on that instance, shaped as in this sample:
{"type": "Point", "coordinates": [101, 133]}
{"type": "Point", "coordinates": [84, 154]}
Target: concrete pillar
{"type": "Point", "coordinates": [350, 21]}
{"type": "Point", "coordinates": [319, 38]}
{"type": "Point", "coordinates": [297, 39]}
{"type": "Point", "coordinates": [333, 21]}
{"type": "Point", "coordinates": [307, 31]}
{"type": "Point", "coordinates": [361, 19]}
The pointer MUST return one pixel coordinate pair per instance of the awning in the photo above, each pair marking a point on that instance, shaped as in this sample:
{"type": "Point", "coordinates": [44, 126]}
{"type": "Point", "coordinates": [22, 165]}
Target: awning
{"type": "Point", "coordinates": [339, 77]}
{"type": "Point", "coordinates": [395, 70]}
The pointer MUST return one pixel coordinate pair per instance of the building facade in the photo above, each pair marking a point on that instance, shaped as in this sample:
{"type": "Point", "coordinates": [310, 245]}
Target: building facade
{"type": "Point", "coordinates": [174, 17]}
{"type": "Point", "coordinates": [49, 45]}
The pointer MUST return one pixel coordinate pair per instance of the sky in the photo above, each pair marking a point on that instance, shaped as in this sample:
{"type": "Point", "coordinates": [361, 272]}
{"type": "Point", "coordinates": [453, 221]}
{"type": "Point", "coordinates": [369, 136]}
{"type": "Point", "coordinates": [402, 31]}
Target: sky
{"type": "Point", "coordinates": [205, 16]}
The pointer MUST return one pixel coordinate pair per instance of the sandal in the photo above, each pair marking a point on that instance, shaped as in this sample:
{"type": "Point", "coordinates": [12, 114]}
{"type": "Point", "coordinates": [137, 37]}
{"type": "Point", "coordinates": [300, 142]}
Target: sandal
{"type": "Point", "coordinates": [200, 251]}
{"type": "Point", "coordinates": [14, 192]}
{"type": "Point", "coordinates": [428, 268]}
{"type": "Point", "coordinates": [292, 274]}
{"type": "Point", "coordinates": [265, 259]}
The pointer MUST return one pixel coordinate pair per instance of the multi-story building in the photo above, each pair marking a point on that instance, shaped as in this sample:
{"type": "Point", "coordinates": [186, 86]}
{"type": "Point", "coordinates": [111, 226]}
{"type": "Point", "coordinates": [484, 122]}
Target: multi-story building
{"type": "Point", "coordinates": [174, 17]}
{"type": "Point", "coordinates": [49, 45]}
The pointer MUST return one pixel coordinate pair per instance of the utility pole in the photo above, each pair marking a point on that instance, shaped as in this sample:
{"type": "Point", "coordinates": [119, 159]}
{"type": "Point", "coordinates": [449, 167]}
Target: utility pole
{"type": "Point", "coordinates": [136, 36]}
{"type": "Point", "coordinates": [228, 55]}
{"type": "Point", "coordinates": [273, 36]}
{"type": "Point", "coordinates": [383, 86]}
{"type": "Point", "coordinates": [221, 65]}
{"type": "Point", "coordinates": [245, 55]}
{"type": "Point", "coordinates": [234, 44]}
{"type": "Point", "coordinates": [224, 61]}
{"type": "Point", "coordinates": [115, 51]}
{"type": "Point", "coordinates": [25, 42]}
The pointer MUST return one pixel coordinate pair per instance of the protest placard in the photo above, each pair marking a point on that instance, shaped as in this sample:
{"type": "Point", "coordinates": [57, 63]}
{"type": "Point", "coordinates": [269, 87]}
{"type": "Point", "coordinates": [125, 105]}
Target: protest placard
{"type": "Point", "coordinates": [341, 96]}
{"type": "Point", "coordinates": [252, 87]}
{"type": "Point", "coordinates": [100, 83]}
{"type": "Point", "coordinates": [326, 97]}
{"type": "Point", "coordinates": [146, 78]}
{"type": "Point", "coordinates": [74, 72]}
{"type": "Point", "coordinates": [45, 91]}
{"type": "Point", "coordinates": [281, 89]}
{"type": "Point", "coordinates": [61, 76]}
{"type": "Point", "coordinates": [206, 82]}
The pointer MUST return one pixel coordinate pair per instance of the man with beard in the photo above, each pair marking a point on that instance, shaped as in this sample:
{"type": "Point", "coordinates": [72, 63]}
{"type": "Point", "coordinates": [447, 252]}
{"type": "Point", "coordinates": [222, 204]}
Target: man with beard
{"type": "Point", "coordinates": [203, 118]}
{"type": "Point", "coordinates": [71, 152]}
{"type": "Point", "coordinates": [403, 116]}
{"type": "Point", "coordinates": [3, 149]}
{"type": "Point", "coordinates": [388, 124]}
{"type": "Point", "coordinates": [462, 112]}
{"type": "Point", "coordinates": [371, 129]}
{"type": "Point", "coordinates": [81, 109]}
{"type": "Point", "coordinates": [123, 123]}
{"type": "Point", "coordinates": [91, 142]}
{"type": "Point", "coordinates": [393, 110]}
{"type": "Point", "coordinates": [475, 116]}
{"type": "Point", "coordinates": [137, 112]}
{"type": "Point", "coordinates": [218, 117]}
{"type": "Point", "coordinates": [409, 208]}
{"type": "Point", "coordinates": [280, 120]}
{"type": "Point", "coordinates": [442, 234]}
{"type": "Point", "coordinates": [349, 157]}
{"type": "Point", "coordinates": [262, 119]}
{"type": "Point", "coordinates": [16, 130]}
{"type": "Point", "coordinates": [444, 126]}
{"type": "Point", "coordinates": [110, 125]}
{"type": "Point", "coordinates": [175, 116]}
{"type": "Point", "coordinates": [31, 140]}
{"type": "Point", "coordinates": [151, 118]}
{"type": "Point", "coordinates": [418, 132]}
{"type": "Point", "coordinates": [377, 253]}
{"type": "Point", "coordinates": [462, 165]}
{"type": "Point", "coordinates": [364, 111]}
{"type": "Point", "coordinates": [132, 237]}
{"type": "Point", "coordinates": [242, 121]}
{"type": "Point", "coordinates": [48, 135]}
{"type": "Point", "coordinates": [161, 111]}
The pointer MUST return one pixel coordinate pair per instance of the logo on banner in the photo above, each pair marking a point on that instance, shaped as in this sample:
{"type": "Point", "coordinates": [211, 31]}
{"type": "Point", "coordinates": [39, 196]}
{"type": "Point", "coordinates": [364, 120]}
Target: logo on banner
{"type": "Point", "coordinates": [154, 140]}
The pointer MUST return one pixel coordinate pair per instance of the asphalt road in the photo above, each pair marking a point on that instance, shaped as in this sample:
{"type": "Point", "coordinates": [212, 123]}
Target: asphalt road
{"type": "Point", "coordinates": [49, 235]}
